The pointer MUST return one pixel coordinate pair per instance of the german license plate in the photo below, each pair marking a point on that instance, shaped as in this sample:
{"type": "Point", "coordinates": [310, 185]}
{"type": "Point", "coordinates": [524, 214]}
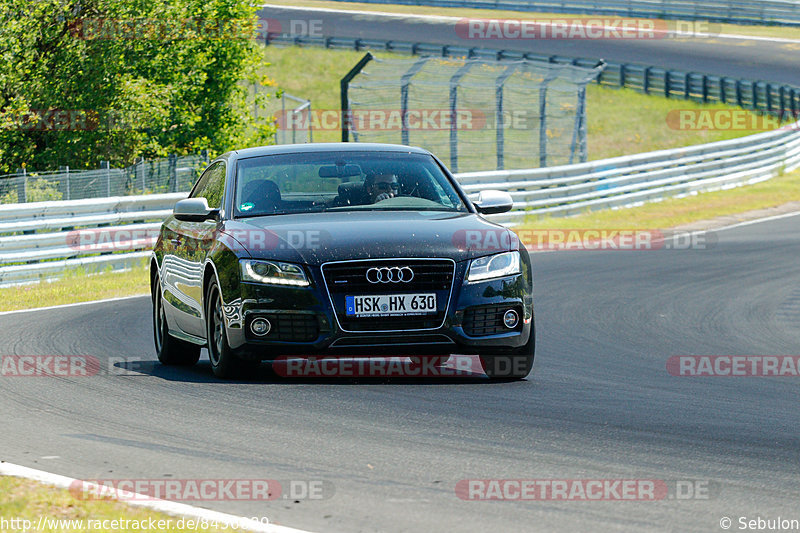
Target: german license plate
{"type": "Point", "coordinates": [390, 305]}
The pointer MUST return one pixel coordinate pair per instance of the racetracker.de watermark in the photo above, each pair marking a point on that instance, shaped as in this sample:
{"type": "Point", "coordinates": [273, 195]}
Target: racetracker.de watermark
{"type": "Point", "coordinates": [581, 28]}
{"type": "Point", "coordinates": [413, 119]}
{"type": "Point", "coordinates": [72, 366]}
{"type": "Point", "coordinates": [62, 120]}
{"type": "Point", "coordinates": [734, 365]}
{"type": "Point", "coordinates": [729, 119]}
{"type": "Point", "coordinates": [456, 366]}
{"type": "Point", "coordinates": [581, 490]}
{"type": "Point", "coordinates": [201, 489]}
{"type": "Point", "coordinates": [491, 240]}
{"type": "Point", "coordinates": [195, 28]}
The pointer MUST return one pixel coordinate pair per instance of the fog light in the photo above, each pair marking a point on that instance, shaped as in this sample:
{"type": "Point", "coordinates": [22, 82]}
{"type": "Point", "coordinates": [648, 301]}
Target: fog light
{"type": "Point", "coordinates": [510, 319]}
{"type": "Point", "coordinates": [260, 326]}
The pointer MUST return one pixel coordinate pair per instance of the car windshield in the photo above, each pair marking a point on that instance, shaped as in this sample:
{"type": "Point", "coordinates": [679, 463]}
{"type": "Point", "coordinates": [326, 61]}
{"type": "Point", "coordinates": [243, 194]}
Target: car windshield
{"type": "Point", "coordinates": [342, 181]}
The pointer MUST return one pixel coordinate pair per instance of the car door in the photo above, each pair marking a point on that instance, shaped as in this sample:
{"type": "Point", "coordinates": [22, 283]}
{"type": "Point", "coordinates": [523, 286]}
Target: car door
{"type": "Point", "coordinates": [187, 244]}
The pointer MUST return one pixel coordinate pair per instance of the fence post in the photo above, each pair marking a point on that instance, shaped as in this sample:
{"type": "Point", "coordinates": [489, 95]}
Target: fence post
{"type": "Point", "coordinates": [22, 188]}
{"type": "Point", "coordinates": [454, 80]}
{"type": "Point", "coordinates": [543, 118]}
{"type": "Point", "coordinates": [344, 83]}
{"type": "Point", "coordinates": [105, 165]}
{"type": "Point", "coordinates": [204, 155]}
{"type": "Point", "coordinates": [65, 171]}
{"type": "Point", "coordinates": [173, 172]}
{"type": "Point", "coordinates": [405, 81]}
{"type": "Point", "coordinates": [499, 82]}
{"type": "Point", "coordinates": [142, 171]}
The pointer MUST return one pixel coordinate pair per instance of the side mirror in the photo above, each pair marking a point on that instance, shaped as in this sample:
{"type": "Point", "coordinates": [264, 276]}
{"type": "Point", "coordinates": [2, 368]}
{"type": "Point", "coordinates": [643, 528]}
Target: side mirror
{"type": "Point", "coordinates": [194, 210]}
{"type": "Point", "coordinates": [492, 202]}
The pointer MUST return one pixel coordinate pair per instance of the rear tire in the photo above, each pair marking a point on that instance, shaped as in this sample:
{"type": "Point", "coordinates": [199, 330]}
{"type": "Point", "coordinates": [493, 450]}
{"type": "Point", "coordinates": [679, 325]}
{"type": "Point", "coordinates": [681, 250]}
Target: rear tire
{"type": "Point", "coordinates": [170, 351]}
{"type": "Point", "coordinates": [224, 362]}
{"type": "Point", "coordinates": [512, 364]}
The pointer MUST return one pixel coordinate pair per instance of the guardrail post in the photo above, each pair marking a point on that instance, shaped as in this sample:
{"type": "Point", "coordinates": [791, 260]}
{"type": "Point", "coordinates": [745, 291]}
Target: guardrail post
{"type": "Point", "coordinates": [687, 86]}
{"type": "Point", "coordinates": [622, 75]}
{"type": "Point", "coordinates": [739, 93]}
{"type": "Point", "coordinates": [754, 89]}
{"type": "Point", "coordinates": [666, 83]}
{"type": "Point", "coordinates": [345, 101]}
{"type": "Point", "coordinates": [646, 81]}
{"type": "Point", "coordinates": [723, 96]}
{"type": "Point", "coordinates": [705, 88]}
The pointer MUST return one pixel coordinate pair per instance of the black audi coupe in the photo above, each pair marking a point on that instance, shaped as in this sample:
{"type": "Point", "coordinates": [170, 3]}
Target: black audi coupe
{"type": "Point", "coordinates": [349, 250]}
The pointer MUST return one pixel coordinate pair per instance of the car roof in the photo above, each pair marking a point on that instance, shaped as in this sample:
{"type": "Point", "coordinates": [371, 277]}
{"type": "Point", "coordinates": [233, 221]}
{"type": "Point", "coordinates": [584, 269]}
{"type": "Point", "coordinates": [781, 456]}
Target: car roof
{"type": "Point", "coordinates": [321, 147]}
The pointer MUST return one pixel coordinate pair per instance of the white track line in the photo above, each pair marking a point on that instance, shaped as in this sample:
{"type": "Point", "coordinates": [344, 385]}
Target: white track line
{"type": "Point", "coordinates": [756, 221]}
{"type": "Point", "coordinates": [446, 18]}
{"type": "Point", "coordinates": [163, 506]}
{"type": "Point", "coordinates": [76, 304]}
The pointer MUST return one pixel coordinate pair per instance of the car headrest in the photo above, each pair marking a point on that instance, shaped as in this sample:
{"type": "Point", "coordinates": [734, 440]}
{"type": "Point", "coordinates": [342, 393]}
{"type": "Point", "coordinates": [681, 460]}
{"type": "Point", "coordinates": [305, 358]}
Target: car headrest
{"type": "Point", "coordinates": [351, 193]}
{"type": "Point", "coordinates": [264, 194]}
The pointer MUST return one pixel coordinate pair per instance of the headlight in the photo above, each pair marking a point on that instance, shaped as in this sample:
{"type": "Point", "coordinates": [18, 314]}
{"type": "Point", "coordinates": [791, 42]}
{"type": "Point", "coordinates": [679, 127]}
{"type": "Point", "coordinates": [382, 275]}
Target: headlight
{"type": "Point", "coordinates": [273, 272]}
{"type": "Point", "coordinates": [494, 266]}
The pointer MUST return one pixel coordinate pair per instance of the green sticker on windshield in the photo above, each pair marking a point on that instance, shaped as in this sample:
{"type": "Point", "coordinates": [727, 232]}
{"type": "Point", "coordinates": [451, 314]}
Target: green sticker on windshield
{"type": "Point", "coordinates": [247, 206]}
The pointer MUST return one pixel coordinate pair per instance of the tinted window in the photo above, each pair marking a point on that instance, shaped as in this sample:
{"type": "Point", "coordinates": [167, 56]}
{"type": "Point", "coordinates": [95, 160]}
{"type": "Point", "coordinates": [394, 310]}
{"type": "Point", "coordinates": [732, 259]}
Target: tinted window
{"type": "Point", "coordinates": [328, 181]}
{"type": "Point", "coordinates": [211, 185]}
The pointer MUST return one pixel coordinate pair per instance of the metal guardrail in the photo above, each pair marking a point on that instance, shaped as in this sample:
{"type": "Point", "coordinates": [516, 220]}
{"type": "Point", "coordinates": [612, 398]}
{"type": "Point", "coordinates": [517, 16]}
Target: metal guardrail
{"type": "Point", "coordinates": [171, 174]}
{"type": "Point", "coordinates": [764, 96]}
{"type": "Point", "coordinates": [41, 240]}
{"type": "Point", "coordinates": [131, 223]}
{"type": "Point", "coordinates": [770, 12]}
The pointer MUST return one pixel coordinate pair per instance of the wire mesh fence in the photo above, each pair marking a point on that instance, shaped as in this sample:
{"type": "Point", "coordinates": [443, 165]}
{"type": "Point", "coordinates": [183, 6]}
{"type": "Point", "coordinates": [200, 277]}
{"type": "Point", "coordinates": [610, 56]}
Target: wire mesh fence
{"type": "Point", "coordinates": [172, 174]}
{"type": "Point", "coordinates": [293, 119]}
{"type": "Point", "coordinates": [481, 115]}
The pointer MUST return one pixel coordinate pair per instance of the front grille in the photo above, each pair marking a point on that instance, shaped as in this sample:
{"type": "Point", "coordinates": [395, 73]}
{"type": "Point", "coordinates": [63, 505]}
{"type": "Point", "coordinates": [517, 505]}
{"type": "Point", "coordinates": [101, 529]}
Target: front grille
{"type": "Point", "coordinates": [288, 327]}
{"type": "Point", "coordinates": [349, 279]}
{"type": "Point", "coordinates": [486, 320]}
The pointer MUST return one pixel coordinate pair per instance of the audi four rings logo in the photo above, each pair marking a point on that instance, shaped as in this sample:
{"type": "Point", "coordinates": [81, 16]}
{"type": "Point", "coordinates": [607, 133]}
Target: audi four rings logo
{"type": "Point", "coordinates": [390, 275]}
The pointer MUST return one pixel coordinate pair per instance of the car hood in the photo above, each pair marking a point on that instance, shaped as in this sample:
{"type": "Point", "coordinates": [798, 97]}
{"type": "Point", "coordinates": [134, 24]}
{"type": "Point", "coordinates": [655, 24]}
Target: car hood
{"type": "Point", "coordinates": [316, 238]}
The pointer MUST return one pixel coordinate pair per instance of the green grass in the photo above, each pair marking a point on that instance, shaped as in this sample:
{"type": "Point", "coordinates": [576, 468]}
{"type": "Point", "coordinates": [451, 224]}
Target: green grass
{"type": "Point", "coordinates": [620, 121]}
{"type": "Point", "coordinates": [76, 286]}
{"type": "Point", "coordinates": [675, 212]}
{"type": "Point", "coordinates": [28, 500]}
{"type": "Point", "coordinates": [784, 32]}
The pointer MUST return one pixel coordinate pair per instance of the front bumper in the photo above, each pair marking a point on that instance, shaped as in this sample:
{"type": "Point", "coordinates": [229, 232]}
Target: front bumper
{"type": "Point", "coordinates": [313, 328]}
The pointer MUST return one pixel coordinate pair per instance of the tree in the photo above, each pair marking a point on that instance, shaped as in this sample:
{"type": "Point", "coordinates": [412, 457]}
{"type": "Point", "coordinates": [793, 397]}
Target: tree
{"type": "Point", "coordinates": [83, 81]}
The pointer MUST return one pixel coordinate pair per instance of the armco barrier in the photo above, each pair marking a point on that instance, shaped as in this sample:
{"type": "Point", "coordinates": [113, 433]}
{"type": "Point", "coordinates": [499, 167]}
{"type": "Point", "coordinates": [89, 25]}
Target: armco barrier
{"type": "Point", "coordinates": [619, 182]}
{"type": "Point", "coordinates": [38, 240]}
{"type": "Point", "coordinates": [783, 12]}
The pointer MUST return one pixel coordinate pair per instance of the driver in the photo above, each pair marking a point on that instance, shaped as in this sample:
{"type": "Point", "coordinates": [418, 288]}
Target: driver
{"type": "Point", "coordinates": [381, 186]}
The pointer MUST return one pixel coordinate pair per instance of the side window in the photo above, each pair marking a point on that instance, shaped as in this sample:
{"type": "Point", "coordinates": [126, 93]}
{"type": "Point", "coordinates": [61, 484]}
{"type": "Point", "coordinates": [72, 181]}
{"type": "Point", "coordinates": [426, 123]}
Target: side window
{"type": "Point", "coordinates": [211, 185]}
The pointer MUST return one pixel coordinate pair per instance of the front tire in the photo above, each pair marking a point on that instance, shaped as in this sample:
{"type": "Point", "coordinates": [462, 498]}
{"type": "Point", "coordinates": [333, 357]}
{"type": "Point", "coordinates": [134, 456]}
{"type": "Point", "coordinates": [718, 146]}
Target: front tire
{"type": "Point", "coordinates": [170, 351]}
{"type": "Point", "coordinates": [224, 363]}
{"type": "Point", "coordinates": [512, 364]}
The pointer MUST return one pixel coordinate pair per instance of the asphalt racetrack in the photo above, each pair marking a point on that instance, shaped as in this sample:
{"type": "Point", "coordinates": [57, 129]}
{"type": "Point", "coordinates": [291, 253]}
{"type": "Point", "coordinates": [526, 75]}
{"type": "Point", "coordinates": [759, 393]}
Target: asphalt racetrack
{"type": "Point", "coordinates": [771, 61]}
{"type": "Point", "coordinates": [600, 404]}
